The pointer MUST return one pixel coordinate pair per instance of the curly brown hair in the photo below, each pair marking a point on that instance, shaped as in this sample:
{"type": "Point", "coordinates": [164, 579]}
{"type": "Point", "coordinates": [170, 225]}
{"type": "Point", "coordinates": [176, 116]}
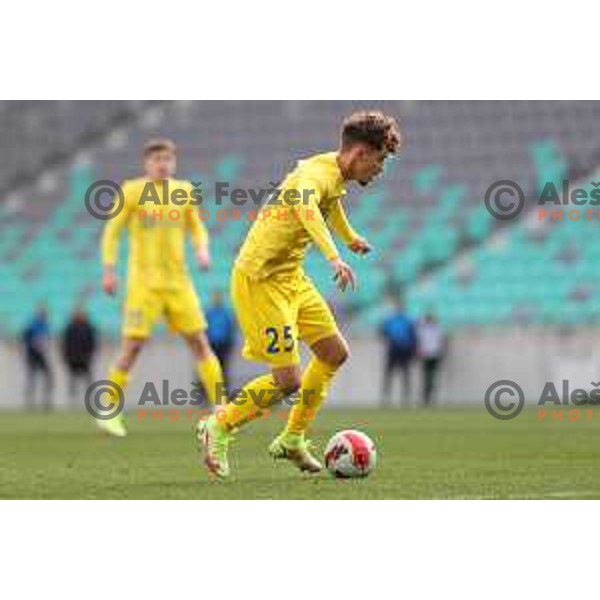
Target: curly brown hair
{"type": "Point", "coordinates": [373, 128]}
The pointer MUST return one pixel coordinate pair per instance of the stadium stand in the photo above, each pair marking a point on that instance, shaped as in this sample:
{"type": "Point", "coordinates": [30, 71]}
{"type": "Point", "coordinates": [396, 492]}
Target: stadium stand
{"type": "Point", "coordinates": [540, 271]}
{"type": "Point", "coordinates": [37, 134]}
{"type": "Point", "coordinates": [434, 239]}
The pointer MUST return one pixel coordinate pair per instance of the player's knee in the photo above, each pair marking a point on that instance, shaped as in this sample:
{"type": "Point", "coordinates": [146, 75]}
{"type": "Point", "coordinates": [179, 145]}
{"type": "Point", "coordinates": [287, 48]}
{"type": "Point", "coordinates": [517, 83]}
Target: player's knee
{"type": "Point", "coordinates": [199, 345]}
{"type": "Point", "coordinates": [332, 351]}
{"type": "Point", "coordinates": [343, 354]}
{"type": "Point", "coordinates": [337, 353]}
{"type": "Point", "coordinates": [129, 353]}
{"type": "Point", "coordinates": [135, 348]}
{"type": "Point", "coordinates": [290, 387]}
{"type": "Point", "coordinates": [288, 383]}
{"type": "Point", "coordinates": [340, 355]}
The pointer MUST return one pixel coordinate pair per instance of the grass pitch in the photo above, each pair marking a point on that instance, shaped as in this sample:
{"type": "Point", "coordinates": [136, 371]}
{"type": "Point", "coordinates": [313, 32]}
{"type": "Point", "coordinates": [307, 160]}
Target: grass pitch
{"type": "Point", "coordinates": [438, 453]}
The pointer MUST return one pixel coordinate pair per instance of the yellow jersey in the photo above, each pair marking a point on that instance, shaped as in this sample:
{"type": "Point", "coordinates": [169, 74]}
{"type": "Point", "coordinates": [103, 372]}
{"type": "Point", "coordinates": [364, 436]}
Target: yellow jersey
{"type": "Point", "coordinates": [158, 216]}
{"type": "Point", "coordinates": [284, 229]}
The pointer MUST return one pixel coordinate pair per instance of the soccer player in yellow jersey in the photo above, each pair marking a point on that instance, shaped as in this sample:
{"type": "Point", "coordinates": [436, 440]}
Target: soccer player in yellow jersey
{"type": "Point", "coordinates": [158, 282]}
{"type": "Point", "coordinates": [277, 305]}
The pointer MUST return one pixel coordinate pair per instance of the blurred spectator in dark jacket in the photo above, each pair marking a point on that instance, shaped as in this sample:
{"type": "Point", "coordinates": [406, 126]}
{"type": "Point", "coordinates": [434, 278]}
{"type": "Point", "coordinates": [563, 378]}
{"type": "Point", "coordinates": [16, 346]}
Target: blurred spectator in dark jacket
{"type": "Point", "coordinates": [432, 347]}
{"type": "Point", "coordinates": [221, 331]}
{"type": "Point", "coordinates": [400, 338]}
{"type": "Point", "coordinates": [79, 343]}
{"type": "Point", "coordinates": [36, 340]}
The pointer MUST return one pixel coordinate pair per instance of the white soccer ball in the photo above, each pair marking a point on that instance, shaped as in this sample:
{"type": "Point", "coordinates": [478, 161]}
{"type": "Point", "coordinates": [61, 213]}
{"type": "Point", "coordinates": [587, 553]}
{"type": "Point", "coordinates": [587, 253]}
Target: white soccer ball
{"type": "Point", "coordinates": [350, 453]}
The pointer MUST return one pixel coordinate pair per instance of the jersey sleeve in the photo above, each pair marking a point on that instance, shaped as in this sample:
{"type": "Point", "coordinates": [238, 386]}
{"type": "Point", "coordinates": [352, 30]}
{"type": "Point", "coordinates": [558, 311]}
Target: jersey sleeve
{"type": "Point", "coordinates": [339, 224]}
{"type": "Point", "coordinates": [312, 219]}
{"type": "Point", "coordinates": [111, 236]}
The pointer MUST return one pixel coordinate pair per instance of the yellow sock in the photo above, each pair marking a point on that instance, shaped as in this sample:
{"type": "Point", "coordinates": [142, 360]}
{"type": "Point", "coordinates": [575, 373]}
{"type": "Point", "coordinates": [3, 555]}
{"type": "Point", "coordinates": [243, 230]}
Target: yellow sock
{"type": "Point", "coordinates": [315, 382]}
{"type": "Point", "coordinates": [258, 395]}
{"type": "Point", "coordinates": [120, 378]}
{"type": "Point", "coordinates": [211, 375]}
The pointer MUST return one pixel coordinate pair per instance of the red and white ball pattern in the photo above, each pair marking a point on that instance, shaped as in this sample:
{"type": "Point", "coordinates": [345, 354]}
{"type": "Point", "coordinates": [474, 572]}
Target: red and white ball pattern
{"type": "Point", "coordinates": [350, 453]}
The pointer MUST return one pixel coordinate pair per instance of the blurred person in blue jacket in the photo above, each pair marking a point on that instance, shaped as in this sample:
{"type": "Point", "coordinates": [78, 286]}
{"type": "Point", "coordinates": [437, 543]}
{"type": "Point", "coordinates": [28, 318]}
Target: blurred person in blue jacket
{"type": "Point", "coordinates": [400, 337]}
{"type": "Point", "coordinates": [221, 331]}
{"type": "Point", "coordinates": [36, 340]}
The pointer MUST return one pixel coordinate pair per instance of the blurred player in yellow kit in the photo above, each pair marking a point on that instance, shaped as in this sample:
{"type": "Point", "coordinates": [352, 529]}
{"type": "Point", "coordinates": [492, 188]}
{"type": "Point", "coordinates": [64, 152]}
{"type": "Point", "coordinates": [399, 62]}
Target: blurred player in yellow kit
{"type": "Point", "coordinates": [158, 282]}
{"type": "Point", "coordinates": [277, 305]}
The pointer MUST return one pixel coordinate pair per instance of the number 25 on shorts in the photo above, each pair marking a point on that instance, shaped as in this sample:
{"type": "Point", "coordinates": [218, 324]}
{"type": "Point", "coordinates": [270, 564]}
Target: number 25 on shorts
{"type": "Point", "coordinates": [280, 342]}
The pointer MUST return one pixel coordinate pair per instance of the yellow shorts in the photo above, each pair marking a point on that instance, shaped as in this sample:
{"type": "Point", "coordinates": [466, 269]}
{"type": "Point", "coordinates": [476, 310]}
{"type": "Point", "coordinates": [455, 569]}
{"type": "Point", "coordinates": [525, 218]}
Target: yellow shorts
{"type": "Point", "coordinates": [180, 307]}
{"type": "Point", "coordinates": [275, 313]}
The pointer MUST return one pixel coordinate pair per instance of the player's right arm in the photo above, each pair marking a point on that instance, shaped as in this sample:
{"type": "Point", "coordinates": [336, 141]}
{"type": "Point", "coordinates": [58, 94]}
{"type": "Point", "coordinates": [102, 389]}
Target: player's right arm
{"type": "Point", "coordinates": [109, 246]}
{"type": "Point", "coordinates": [314, 223]}
{"type": "Point", "coordinates": [338, 221]}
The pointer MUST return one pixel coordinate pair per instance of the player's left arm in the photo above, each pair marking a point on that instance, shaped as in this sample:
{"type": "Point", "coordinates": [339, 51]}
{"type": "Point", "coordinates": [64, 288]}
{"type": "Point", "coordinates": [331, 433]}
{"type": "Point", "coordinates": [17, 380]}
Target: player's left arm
{"type": "Point", "coordinates": [313, 221]}
{"type": "Point", "coordinates": [339, 224]}
{"type": "Point", "coordinates": [200, 237]}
